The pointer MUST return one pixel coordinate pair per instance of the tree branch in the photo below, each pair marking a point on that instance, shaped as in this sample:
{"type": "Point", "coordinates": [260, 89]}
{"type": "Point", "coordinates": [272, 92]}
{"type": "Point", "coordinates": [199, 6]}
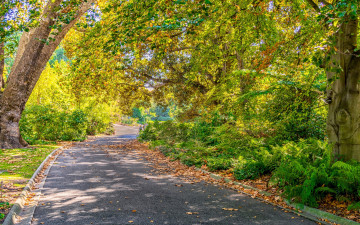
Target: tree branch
{"type": "Point", "coordinates": [181, 49]}
{"type": "Point", "coordinates": [47, 15]}
{"type": "Point", "coordinates": [314, 5]}
{"type": "Point", "coordinates": [325, 2]}
{"type": "Point", "coordinates": [143, 74]}
{"type": "Point", "coordinates": [66, 27]}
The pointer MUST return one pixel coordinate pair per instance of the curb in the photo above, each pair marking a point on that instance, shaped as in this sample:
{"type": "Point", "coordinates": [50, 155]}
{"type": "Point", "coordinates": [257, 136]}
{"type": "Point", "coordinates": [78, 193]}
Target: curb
{"type": "Point", "coordinates": [306, 211]}
{"type": "Point", "coordinates": [19, 204]}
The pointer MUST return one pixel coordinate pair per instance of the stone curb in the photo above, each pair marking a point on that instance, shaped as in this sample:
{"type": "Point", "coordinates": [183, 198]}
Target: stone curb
{"type": "Point", "coordinates": [19, 204]}
{"type": "Point", "coordinates": [303, 210]}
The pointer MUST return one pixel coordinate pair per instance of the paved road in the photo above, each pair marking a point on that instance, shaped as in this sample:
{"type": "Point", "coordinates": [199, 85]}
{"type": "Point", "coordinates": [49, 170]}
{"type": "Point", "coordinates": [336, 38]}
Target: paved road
{"type": "Point", "coordinates": [87, 186]}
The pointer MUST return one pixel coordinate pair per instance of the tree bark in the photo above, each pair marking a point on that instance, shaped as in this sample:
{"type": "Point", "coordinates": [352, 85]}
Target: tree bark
{"type": "Point", "coordinates": [32, 56]}
{"type": "Point", "coordinates": [343, 124]}
{"type": "Point", "coordinates": [2, 64]}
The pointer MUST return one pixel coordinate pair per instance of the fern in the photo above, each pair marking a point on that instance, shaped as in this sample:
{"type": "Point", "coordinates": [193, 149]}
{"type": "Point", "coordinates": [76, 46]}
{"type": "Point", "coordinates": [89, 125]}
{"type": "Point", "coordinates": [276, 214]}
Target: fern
{"type": "Point", "coordinates": [346, 177]}
{"type": "Point", "coordinates": [324, 190]}
{"type": "Point", "coordinates": [307, 193]}
{"type": "Point", "coordinates": [354, 206]}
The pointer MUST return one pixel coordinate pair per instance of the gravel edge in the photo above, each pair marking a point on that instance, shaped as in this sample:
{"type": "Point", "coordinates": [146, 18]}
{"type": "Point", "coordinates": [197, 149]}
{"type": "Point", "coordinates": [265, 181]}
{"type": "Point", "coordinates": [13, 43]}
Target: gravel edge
{"type": "Point", "coordinates": [19, 204]}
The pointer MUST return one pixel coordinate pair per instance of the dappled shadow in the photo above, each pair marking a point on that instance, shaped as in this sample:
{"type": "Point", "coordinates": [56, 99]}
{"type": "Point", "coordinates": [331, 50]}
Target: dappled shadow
{"type": "Point", "coordinates": [87, 185]}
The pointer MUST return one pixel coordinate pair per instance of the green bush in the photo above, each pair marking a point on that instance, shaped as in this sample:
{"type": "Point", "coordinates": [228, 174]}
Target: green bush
{"type": "Point", "coordinates": [249, 169]}
{"type": "Point", "coordinates": [307, 173]}
{"type": "Point", "coordinates": [220, 163]}
{"type": "Point", "coordinates": [304, 169]}
{"type": "Point", "coordinates": [44, 123]}
{"type": "Point", "coordinates": [98, 121]}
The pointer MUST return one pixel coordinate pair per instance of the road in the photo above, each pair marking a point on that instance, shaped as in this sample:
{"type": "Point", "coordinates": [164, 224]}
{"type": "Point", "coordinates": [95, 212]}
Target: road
{"type": "Point", "coordinates": [87, 186]}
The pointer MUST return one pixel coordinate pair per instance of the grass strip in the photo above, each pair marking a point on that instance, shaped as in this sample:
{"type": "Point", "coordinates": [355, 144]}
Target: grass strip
{"type": "Point", "coordinates": [16, 168]}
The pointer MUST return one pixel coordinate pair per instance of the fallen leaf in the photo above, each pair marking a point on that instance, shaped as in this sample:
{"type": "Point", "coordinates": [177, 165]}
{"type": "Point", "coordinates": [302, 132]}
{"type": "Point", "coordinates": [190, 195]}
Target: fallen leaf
{"type": "Point", "coordinates": [192, 213]}
{"type": "Point", "coordinates": [230, 209]}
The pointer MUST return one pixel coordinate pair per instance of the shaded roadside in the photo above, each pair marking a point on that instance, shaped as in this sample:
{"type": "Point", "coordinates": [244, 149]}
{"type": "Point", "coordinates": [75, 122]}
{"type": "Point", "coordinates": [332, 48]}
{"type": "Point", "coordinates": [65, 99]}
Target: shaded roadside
{"type": "Point", "coordinates": [97, 183]}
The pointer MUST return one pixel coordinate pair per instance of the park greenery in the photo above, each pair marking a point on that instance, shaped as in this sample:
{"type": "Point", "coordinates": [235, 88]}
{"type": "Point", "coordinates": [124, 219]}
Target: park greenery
{"type": "Point", "coordinates": [257, 88]}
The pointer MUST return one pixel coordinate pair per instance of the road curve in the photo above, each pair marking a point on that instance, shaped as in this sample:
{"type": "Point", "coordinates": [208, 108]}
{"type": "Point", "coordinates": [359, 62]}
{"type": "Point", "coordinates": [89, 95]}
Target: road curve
{"type": "Point", "coordinates": [86, 185]}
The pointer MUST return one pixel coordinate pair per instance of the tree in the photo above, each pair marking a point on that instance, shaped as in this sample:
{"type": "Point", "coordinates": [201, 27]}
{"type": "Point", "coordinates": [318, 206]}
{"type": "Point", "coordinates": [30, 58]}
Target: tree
{"type": "Point", "coordinates": [341, 20]}
{"type": "Point", "coordinates": [170, 47]}
{"type": "Point", "coordinates": [37, 44]}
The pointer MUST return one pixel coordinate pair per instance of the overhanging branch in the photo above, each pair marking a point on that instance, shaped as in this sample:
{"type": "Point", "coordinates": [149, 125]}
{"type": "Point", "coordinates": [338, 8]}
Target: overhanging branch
{"type": "Point", "coordinates": [314, 5]}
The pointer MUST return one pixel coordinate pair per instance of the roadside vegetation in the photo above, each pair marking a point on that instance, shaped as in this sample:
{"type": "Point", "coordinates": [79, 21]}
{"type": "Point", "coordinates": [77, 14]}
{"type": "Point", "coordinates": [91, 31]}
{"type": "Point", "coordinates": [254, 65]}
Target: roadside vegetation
{"type": "Point", "coordinates": [259, 90]}
{"type": "Point", "coordinates": [302, 170]}
{"type": "Point", "coordinates": [16, 167]}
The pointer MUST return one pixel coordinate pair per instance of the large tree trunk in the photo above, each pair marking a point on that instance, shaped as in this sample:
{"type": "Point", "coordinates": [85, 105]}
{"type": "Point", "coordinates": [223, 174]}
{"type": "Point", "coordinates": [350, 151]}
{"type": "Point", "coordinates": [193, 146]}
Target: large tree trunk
{"type": "Point", "coordinates": [343, 125]}
{"type": "Point", "coordinates": [31, 59]}
{"type": "Point", "coordinates": [2, 64]}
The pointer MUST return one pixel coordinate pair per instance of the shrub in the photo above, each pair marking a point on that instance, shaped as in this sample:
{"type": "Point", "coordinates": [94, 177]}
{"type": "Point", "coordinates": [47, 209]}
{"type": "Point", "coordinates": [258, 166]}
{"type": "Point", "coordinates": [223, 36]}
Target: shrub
{"type": "Point", "coordinates": [220, 163]}
{"type": "Point", "coordinates": [44, 123]}
{"type": "Point", "coordinates": [307, 173]}
{"type": "Point", "coordinates": [249, 169]}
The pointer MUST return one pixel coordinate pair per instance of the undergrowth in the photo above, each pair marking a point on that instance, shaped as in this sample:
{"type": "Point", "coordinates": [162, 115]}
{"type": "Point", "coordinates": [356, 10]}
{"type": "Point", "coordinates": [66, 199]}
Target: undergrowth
{"type": "Point", "coordinates": [304, 169]}
{"type": "Point", "coordinates": [42, 123]}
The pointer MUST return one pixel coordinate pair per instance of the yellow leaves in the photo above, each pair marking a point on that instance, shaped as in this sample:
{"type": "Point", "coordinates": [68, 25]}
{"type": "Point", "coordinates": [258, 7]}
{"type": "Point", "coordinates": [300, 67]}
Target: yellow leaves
{"type": "Point", "coordinates": [192, 213]}
{"type": "Point", "coordinates": [229, 209]}
{"type": "Point", "coordinates": [102, 3]}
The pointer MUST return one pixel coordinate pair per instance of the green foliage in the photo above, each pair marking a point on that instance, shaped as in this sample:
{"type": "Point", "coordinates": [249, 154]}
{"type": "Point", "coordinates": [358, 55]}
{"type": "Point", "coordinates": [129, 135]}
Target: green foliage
{"type": "Point", "coordinates": [346, 177]}
{"type": "Point", "coordinates": [154, 113]}
{"type": "Point", "coordinates": [354, 206]}
{"type": "Point", "coordinates": [219, 163]}
{"type": "Point", "coordinates": [3, 205]}
{"type": "Point", "coordinates": [98, 119]}
{"type": "Point", "coordinates": [43, 122]}
{"type": "Point", "coordinates": [304, 169]}
{"type": "Point", "coordinates": [307, 173]}
{"type": "Point", "coordinates": [167, 131]}
{"type": "Point", "coordinates": [249, 169]}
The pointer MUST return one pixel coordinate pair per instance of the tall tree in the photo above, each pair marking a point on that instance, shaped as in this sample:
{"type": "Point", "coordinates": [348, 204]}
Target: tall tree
{"type": "Point", "coordinates": [36, 46]}
{"type": "Point", "coordinates": [2, 64]}
{"type": "Point", "coordinates": [342, 62]}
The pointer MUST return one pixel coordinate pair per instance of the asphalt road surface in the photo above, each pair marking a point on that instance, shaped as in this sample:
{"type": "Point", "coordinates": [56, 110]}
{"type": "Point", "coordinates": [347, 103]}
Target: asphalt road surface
{"type": "Point", "coordinates": [86, 186]}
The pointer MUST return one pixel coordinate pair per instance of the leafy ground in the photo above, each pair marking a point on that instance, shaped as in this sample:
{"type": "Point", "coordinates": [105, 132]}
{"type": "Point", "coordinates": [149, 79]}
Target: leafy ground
{"type": "Point", "coordinates": [16, 168]}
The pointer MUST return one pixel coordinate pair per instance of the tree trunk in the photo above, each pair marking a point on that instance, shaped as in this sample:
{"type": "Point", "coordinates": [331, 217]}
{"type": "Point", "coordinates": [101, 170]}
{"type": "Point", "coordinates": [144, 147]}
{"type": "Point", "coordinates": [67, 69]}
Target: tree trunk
{"type": "Point", "coordinates": [2, 65]}
{"type": "Point", "coordinates": [343, 125]}
{"type": "Point", "coordinates": [31, 59]}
